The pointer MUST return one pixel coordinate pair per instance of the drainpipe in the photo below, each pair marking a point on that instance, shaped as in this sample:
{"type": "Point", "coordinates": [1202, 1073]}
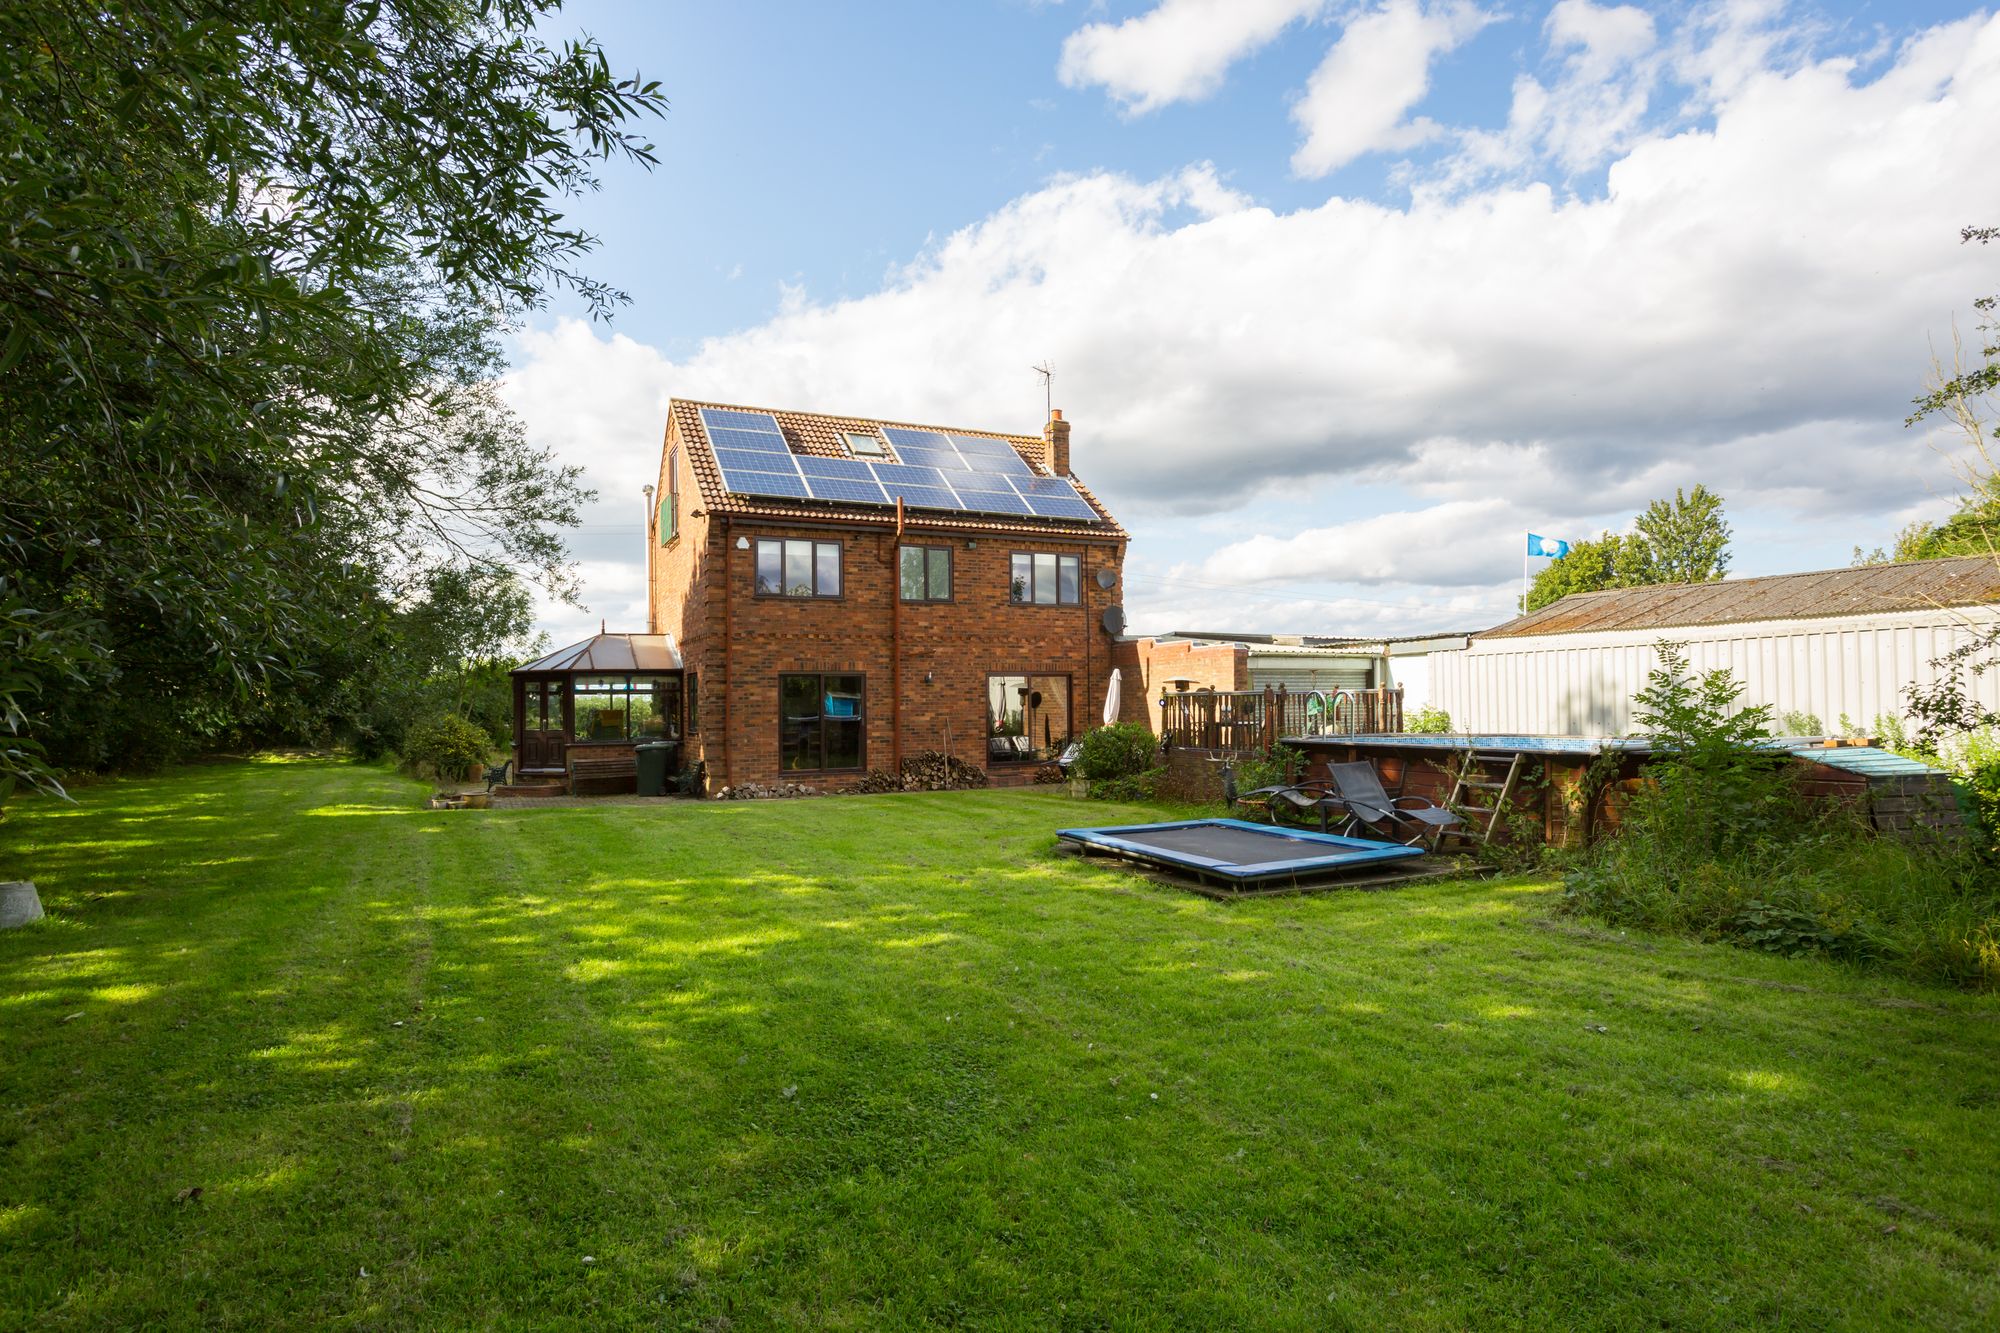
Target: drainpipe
{"type": "Point", "coordinates": [646, 529]}
{"type": "Point", "coordinates": [893, 560]}
{"type": "Point", "coordinates": [728, 671]}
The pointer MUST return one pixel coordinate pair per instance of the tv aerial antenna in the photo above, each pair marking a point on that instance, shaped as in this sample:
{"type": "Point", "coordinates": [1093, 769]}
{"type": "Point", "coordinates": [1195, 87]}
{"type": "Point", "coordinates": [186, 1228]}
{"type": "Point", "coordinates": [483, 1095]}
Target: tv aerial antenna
{"type": "Point", "coordinates": [1048, 374]}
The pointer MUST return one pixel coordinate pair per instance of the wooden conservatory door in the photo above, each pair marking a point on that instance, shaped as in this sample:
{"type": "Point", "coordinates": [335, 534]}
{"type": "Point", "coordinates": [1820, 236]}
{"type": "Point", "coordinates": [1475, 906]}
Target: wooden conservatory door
{"type": "Point", "coordinates": [542, 730]}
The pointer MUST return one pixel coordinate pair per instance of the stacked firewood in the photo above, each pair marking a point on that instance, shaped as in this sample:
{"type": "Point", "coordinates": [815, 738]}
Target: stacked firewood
{"type": "Point", "coordinates": [927, 770]}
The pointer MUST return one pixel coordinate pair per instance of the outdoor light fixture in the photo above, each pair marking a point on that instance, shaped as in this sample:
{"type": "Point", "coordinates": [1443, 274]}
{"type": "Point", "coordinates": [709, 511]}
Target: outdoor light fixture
{"type": "Point", "coordinates": [927, 677]}
{"type": "Point", "coordinates": [742, 543]}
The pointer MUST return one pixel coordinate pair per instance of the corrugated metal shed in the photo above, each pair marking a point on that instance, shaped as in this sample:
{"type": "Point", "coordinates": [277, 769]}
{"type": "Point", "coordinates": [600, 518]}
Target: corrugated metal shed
{"type": "Point", "coordinates": [610, 652]}
{"type": "Point", "coordinates": [1863, 590]}
{"type": "Point", "coordinates": [1581, 682]}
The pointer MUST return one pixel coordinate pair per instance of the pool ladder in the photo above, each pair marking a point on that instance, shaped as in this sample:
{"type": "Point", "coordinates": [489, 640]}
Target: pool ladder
{"type": "Point", "coordinates": [1476, 774]}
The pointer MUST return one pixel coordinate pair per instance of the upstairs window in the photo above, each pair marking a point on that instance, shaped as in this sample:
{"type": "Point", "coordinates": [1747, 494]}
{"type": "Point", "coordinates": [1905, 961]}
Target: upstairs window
{"type": "Point", "coordinates": [793, 568]}
{"type": "Point", "coordinates": [926, 573]}
{"type": "Point", "coordinates": [1043, 579]}
{"type": "Point", "coordinates": [864, 446]}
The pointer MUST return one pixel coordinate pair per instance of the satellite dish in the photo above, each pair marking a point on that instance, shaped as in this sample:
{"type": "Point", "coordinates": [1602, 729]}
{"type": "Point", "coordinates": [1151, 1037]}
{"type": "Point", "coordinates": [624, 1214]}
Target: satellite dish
{"type": "Point", "coordinates": [1114, 619]}
{"type": "Point", "coordinates": [1106, 578]}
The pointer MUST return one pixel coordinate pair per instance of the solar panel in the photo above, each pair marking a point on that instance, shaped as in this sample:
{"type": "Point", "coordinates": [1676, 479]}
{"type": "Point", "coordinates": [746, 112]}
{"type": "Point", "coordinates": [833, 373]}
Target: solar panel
{"type": "Point", "coordinates": [849, 469]}
{"type": "Point", "coordinates": [1057, 506]}
{"type": "Point", "coordinates": [1053, 497]}
{"type": "Point", "coordinates": [930, 457]}
{"type": "Point", "coordinates": [712, 417]}
{"type": "Point", "coordinates": [756, 441]}
{"type": "Point", "coordinates": [923, 497]}
{"type": "Point", "coordinates": [963, 473]}
{"type": "Point", "coordinates": [984, 444]}
{"type": "Point", "coordinates": [923, 439]}
{"type": "Point", "coordinates": [788, 484]}
{"type": "Point", "coordinates": [887, 473]}
{"type": "Point", "coordinates": [847, 490]}
{"type": "Point", "coordinates": [994, 502]}
{"type": "Point", "coordinates": [748, 460]}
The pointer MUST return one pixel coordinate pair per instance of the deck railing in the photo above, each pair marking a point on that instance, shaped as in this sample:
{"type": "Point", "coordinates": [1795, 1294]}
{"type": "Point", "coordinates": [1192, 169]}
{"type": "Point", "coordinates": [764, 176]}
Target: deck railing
{"type": "Point", "coordinates": [1241, 720]}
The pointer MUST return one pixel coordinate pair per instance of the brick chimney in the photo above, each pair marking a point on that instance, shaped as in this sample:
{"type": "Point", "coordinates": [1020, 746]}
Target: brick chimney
{"type": "Point", "coordinates": [1055, 443]}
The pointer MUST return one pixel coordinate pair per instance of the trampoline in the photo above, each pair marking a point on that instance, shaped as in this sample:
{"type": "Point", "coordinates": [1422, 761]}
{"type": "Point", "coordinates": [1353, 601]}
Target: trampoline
{"type": "Point", "coordinates": [1240, 854]}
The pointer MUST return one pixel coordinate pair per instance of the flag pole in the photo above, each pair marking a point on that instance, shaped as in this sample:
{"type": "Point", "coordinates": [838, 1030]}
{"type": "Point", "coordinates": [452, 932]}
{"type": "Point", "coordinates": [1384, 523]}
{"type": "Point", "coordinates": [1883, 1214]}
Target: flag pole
{"type": "Point", "coordinates": [1524, 578]}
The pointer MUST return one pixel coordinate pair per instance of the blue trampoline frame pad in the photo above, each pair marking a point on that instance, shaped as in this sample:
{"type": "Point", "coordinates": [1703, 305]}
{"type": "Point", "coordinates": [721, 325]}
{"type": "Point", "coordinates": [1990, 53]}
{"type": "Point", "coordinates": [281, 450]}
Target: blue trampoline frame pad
{"type": "Point", "coordinates": [1295, 852]}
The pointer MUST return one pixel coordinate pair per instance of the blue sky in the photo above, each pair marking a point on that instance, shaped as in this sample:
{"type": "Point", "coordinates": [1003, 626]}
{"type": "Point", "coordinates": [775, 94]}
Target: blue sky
{"type": "Point", "coordinates": [1343, 298]}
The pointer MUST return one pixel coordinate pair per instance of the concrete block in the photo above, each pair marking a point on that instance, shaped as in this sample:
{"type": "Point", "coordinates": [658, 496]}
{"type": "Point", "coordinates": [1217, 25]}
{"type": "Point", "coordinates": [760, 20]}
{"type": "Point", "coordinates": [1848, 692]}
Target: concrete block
{"type": "Point", "coordinates": [19, 903]}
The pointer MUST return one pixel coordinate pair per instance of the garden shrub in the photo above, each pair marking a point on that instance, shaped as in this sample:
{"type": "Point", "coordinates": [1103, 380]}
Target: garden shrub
{"type": "Point", "coordinates": [1720, 845]}
{"type": "Point", "coordinates": [1124, 750]}
{"type": "Point", "coordinates": [1798, 722]}
{"type": "Point", "coordinates": [1973, 757]}
{"type": "Point", "coordinates": [1281, 767]}
{"type": "Point", "coordinates": [1428, 721]}
{"type": "Point", "coordinates": [446, 747]}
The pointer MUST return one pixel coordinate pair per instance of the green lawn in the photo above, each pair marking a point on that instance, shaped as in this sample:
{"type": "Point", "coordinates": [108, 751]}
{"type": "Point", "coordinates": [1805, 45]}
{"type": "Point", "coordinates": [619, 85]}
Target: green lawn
{"type": "Point", "coordinates": [892, 1061]}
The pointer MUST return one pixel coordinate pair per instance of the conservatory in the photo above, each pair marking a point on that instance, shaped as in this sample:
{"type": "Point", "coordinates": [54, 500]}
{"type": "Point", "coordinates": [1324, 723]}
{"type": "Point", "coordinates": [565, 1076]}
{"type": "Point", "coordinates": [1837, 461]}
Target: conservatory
{"type": "Point", "coordinates": [596, 700]}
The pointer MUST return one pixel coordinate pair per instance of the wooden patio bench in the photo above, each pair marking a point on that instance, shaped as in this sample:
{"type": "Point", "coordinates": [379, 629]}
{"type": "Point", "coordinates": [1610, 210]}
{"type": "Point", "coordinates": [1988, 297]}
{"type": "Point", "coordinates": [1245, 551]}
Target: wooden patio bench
{"type": "Point", "coordinates": [603, 777]}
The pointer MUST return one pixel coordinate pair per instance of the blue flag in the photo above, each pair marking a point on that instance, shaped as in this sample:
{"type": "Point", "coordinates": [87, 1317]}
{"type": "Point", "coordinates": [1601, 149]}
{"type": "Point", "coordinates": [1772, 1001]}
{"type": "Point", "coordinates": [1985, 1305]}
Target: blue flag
{"type": "Point", "coordinates": [1548, 546]}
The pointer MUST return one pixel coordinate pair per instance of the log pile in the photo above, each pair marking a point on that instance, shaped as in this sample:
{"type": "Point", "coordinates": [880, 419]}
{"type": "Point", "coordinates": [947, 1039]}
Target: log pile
{"type": "Point", "coordinates": [927, 770]}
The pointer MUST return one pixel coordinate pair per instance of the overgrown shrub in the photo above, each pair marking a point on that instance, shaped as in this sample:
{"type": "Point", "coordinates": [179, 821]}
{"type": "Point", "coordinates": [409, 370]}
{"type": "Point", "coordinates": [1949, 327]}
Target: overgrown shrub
{"type": "Point", "coordinates": [1124, 750]}
{"type": "Point", "coordinates": [1141, 786]}
{"type": "Point", "coordinates": [1428, 721]}
{"type": "Point", "coordinates": [1282, 767]}
{"type": "Point", "coordinates": [1798, 722]}
{"type": "Point", "coordinates": [1973, 757]}
{"type": "Point", "coordinates": [1720, 845]}
{"type": "Point", "coordinates": [446, 747]}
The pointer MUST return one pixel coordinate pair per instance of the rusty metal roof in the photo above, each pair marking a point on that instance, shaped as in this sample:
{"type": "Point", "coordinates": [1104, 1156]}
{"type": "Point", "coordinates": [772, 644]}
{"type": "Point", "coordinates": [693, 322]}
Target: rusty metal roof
{"type": "Point", "coordinates": [816, 433]}
{"type": "Point", "coordinates": [1913, 585]}
{"type": "Point", "coordinates": [610, 652]}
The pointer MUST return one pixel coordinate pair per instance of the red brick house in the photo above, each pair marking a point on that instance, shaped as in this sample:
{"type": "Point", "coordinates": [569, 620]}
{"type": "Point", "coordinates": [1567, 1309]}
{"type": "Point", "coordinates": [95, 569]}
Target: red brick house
{"type": "Point", "coordinates": [839, 592]}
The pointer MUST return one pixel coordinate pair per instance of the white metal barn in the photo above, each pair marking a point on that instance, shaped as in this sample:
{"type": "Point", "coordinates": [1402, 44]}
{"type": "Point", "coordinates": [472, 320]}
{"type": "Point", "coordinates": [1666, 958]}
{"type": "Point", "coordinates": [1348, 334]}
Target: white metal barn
{"type": "Point", "coordinates": [1833, 643]}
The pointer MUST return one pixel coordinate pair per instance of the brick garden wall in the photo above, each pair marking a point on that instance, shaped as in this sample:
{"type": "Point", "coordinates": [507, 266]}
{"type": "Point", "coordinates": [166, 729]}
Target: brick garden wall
{"type": "Point", "coordinates": [1148, 665]}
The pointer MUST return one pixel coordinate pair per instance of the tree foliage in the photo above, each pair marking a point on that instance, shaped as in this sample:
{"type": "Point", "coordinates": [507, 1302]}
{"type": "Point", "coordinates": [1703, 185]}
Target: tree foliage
{"type": "Point", "coordinates": [1682, 540]}
{"type": "Point", "coordinates": [253, 264]}
{"type": "Point", "coordinates": [1949, 706]}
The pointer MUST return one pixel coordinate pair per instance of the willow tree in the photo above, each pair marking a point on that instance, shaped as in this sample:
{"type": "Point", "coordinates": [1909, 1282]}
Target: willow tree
{"type": "Point", "coordinates": [254, 263]}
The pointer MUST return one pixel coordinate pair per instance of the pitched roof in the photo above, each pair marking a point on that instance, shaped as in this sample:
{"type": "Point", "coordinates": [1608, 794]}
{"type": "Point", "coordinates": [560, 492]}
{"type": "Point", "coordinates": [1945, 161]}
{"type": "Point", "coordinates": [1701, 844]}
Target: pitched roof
{"type": "Point", "coordinates": [1914, 585]}
{"type": "Point", "coordinates": [816, 433]}
{"type": "Point", "coordinates": [611, 652]}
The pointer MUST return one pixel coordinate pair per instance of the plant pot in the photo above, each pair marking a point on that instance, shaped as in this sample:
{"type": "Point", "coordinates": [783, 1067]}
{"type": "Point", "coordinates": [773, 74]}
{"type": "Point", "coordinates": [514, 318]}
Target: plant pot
{"type": "Point", "coordinates": [478, 800]}
{"type": "Point", "coordinates": [1079, 787]}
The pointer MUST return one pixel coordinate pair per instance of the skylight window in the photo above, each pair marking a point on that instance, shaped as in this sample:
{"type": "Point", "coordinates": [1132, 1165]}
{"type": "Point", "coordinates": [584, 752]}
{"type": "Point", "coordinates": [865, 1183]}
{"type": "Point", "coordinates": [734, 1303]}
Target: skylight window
{"type": "Point", "coordinates": [864, 446]}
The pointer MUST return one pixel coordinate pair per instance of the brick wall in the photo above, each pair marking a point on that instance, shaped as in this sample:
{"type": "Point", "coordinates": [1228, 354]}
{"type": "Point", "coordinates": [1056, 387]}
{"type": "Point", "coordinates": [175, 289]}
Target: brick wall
{"type": "Point", "coordinates": [705, 580]}
{"type": "Point", "coordinates": [681, 601]}
{"type": "Point", "coordinates": [1149, 666]}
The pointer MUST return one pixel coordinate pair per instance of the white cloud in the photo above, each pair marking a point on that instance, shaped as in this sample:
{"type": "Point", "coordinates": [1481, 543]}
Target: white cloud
{"type": "Point", "coordinates": [1356, 101]}
{"type": "Point", "coordinates": [1176, 52]}
{"type": "Point", "coordinates": [1749, 305]}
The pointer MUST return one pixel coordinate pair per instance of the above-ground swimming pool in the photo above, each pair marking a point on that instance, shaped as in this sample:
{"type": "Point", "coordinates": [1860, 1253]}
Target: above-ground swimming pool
{"type": "Point", "coordinates": [1237, 852]}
